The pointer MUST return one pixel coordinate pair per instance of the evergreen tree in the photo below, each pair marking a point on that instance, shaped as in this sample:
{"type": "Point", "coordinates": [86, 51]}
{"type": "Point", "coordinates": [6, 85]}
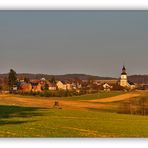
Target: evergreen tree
{"type": "Point", "coordinates": [46, 86]}
{"type": "Point", "coordinates": [12, 79]}
{"type": "Point", "coordinates": [53, 80]}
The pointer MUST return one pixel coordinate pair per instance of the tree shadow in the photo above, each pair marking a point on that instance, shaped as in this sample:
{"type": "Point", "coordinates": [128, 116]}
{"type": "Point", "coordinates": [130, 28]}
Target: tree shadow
{"type": "Point", "coordinates": [6, 122]}
{"type": "Point", "coordinates": [19, 111]}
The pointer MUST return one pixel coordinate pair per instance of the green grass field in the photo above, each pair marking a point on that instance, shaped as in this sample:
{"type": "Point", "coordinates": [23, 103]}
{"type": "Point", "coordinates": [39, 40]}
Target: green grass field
{"type": "Point", "coordinates": [35, 122]}
{"type": "Point", "coordinates": [98, 95]}
{"type": "Point", "coordinates": [20, 120]}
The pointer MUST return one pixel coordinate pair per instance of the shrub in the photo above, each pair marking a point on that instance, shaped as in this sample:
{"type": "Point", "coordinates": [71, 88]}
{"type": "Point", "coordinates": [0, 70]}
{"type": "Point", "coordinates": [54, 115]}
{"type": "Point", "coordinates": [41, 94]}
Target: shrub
{"type": "Point", "coordinates": [58, 93]}
{"type": "Point", "coordinates": [137, 106]}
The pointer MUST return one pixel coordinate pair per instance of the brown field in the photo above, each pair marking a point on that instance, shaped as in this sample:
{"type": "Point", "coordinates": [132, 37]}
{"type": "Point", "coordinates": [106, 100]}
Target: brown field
{"type": "Point", "coordinates": [29, 101]}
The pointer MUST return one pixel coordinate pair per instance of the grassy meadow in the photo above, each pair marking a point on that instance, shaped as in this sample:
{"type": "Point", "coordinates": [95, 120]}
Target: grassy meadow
{"type": "Point", "coordinates": [36, 117]}
{"type": "Point", "coordinates": [98, 95]}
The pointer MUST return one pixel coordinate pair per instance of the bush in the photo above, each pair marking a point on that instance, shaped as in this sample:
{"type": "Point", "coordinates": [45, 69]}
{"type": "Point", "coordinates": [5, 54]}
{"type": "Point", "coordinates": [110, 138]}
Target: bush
{"type": "Point", "coordinates": [47, 93]}
{"type": "Point", "coordinates": [58, 93]}
{"type": "Point", "coordinates": [137, 106]}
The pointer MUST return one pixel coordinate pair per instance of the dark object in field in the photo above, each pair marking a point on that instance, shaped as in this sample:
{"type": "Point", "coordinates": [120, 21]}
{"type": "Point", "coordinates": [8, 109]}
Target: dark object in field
{"type": "Point", "coordinates": [57, 105]}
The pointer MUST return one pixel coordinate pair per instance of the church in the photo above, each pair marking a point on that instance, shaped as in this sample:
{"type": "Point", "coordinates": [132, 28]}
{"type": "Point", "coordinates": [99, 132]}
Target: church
{"type": "Point", "coordinates": [124, 80]}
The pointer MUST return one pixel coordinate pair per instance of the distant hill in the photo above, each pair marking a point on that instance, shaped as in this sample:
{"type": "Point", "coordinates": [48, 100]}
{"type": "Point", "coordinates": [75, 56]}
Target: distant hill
{"type": "Point", "coordinates": [134, 78]}
{"type": "Point", "coordinates": [59, 77]}
{"type": "Point", "coordinates": [139, 79]}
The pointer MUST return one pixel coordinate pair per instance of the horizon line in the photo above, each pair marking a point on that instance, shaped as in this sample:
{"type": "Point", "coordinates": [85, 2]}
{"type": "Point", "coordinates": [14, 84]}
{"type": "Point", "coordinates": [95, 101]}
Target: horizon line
{"type": "Point", "coordinates": [73, 74]}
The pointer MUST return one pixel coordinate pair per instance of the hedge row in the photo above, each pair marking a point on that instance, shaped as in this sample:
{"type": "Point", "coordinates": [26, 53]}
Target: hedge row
{"type": "Point", "coordinates": [59, 93]}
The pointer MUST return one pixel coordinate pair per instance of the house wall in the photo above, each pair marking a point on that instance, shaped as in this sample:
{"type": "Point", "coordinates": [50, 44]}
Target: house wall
{"type": "Point", "coordinates": [37, 88]}
{"type": "Point", "coordinates": [68, 86]}
{"type": "Point", "coordinates": [52, 88]}
{"type": "Point", "coordinates": [26, 87]}
{"type": "Point", "coordinates": [60, 85]}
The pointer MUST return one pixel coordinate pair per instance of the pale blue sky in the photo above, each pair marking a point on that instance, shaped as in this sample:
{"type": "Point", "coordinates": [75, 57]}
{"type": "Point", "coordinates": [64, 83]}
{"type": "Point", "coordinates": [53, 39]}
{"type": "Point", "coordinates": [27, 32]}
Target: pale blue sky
{"type": "Point", "coordinates": [61, 42]}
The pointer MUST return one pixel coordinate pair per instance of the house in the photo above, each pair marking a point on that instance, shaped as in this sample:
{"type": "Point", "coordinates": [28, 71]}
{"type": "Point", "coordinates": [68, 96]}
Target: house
{"type": "Point", "coordinates": [52, 86]}
{"type": "Point", "coordinates": [63, 85]}
{"type": "Point", "coordinates": [36, 87]}
{"type": "Point", "coordinates": [131, 85]}
{"type": "Point", "coordinates": [43, 79]}
{"type": "Point", "coordinates": [25, 87]}
{"type": "Point", "coordinates": [68, 86]}
{"type": "Point", "coordinates": [14, 88]}
{"type": "Point", "coordinates": [77, 84]}
{"type": "Point", "coordinates": [74, 86]}
{"type": "Point", "coordinates": [107, 87]}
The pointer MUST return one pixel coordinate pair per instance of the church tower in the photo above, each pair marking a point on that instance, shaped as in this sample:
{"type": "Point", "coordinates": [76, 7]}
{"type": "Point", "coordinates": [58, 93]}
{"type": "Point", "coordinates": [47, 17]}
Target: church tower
{"type": "Point", "coordinates": [123, 79]}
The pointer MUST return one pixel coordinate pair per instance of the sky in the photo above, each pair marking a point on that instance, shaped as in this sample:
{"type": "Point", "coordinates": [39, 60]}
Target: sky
{"type": "Point", "coordinates": [64, 42]}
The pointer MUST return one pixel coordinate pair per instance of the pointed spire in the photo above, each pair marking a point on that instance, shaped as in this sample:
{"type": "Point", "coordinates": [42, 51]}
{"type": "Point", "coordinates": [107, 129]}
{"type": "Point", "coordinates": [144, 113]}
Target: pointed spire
{"type": "Point", "coordinates": [123, 70]}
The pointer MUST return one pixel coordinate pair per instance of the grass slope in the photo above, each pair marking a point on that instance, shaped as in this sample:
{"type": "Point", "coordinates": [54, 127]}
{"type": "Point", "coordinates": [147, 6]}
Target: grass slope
{"type": "Point", "coordinates": [36, 122]}
{"type": "Point", "coordinates": [99, 95]}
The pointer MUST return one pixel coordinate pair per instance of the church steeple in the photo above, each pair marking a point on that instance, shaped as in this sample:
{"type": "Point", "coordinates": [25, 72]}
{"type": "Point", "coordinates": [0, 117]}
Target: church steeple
{"type": "Point", "coordinates": [123, 70]}
{"type": "Point", "coordinates": [123, 79]}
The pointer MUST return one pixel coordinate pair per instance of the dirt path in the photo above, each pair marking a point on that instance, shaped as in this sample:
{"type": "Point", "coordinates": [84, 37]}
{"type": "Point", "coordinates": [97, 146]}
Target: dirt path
{"type": "Point", "coordinates": [116, 98]}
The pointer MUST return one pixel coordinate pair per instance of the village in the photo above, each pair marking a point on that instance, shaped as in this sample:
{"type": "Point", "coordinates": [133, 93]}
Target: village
{"type": "Point", "coordinates": [71, 87]}
{"type": "Point", "coordinates": [77, 86]}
